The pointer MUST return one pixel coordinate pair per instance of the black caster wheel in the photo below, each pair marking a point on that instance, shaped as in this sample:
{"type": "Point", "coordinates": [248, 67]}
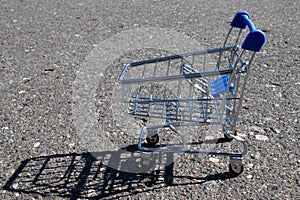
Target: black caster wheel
{"type": "Point", "coordinates": [236, 169]}
{"type": "Point", "coordinates": [152, 140]}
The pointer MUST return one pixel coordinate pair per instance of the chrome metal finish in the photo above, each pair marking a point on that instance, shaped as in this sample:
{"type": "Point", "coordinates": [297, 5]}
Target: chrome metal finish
{"type": "Point", "coordinates": [200, 88]}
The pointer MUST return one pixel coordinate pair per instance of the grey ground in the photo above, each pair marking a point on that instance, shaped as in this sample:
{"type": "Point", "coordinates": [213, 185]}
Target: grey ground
{"type": "Point", "coordinates": [44, 44]}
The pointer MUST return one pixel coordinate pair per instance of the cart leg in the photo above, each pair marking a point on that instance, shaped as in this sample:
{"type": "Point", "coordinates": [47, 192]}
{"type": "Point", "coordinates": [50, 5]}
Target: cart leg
{"type": "Point", "coordinates": [236, 166]}
{"type": "Point", "coordinates": [228, 137]}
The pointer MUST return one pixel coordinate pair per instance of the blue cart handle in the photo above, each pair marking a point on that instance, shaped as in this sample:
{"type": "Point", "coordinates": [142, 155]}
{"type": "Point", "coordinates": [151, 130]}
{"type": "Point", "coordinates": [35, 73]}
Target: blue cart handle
{"type": "Point", "coordinates": [256, 38]}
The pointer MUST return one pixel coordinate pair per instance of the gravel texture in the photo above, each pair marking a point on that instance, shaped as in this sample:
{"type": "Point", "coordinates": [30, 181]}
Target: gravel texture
{"type": "Point", "coordinates": [45, 44]}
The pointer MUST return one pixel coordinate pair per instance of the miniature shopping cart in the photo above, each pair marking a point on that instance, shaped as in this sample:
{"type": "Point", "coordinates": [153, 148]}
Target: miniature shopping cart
{"type": "Point", "coordinates": [200, 88]}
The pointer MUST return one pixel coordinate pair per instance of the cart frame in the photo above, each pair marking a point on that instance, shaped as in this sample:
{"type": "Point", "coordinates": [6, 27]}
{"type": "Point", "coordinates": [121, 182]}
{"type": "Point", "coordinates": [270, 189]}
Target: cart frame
{"type": "Point", "coordinates": [199, 95]}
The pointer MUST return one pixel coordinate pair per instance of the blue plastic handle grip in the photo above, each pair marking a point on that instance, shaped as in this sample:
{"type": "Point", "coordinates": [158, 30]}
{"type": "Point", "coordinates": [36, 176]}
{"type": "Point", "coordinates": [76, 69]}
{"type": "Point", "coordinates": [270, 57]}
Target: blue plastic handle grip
{"type": "Point", "coordinates": [255, 38]}
{"type": "Point", "coordinates": [246, 19]}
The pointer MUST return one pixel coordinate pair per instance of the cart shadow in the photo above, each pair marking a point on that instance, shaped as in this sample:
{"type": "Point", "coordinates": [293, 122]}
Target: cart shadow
{"type": "Point", "coordinates": [108, 174]}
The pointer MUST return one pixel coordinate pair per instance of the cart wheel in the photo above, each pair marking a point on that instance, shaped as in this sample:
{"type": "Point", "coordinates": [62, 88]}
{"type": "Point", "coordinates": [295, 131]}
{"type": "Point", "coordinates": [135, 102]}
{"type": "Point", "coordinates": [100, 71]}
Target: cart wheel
{"type": "Point", "coordinates": [152, 140]}
{"type": "Point", "coordinates": [236, 169]}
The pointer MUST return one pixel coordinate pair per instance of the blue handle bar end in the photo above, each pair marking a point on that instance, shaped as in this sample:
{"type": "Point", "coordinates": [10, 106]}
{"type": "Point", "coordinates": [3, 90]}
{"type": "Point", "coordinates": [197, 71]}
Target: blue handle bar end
{"type": "Point", "coordinates": [255, 38]}
{"type": "Point", "coordinates": [237, 22]}
{"type": "Point", "coordinates": [254, 41]}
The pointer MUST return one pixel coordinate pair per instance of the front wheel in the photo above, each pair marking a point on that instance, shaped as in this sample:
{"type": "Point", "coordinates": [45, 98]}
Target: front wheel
{"type": "Point", "coordinates": [236, 169]}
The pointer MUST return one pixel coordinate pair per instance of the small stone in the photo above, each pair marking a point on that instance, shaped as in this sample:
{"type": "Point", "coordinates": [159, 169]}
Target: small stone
{"type": "Point", "coordinates": [22, 92]}
{"type": "Point", "coordinates": [249, 176]}
{"type": "Point", "coordinates": [250, 165]}
{"type": "Point", "coordinates": [209, 137]}
{"type": "Point", "coordinates": [276, 130]}
{"type": "Point", "coordinates": [210, 185]}
{"type": "Point", "coordinates": [37, 144]}
{"type": "Point", "coordinates": [15, 186]}
{"type": "Point", "coordinates": [214, 160]}
{"type": "Point", "coordinates": [257, 156]}
{"type": "Point", "coordinates": [268, 118]}
{"type": "Point", "coordinates": [26, 80]}
{"type": "Point", "coordinates": [261, 137]}
{"type": "Point", "coordinates": [242, 135]}
{"type": "Point", "coordinates": [257, 129]}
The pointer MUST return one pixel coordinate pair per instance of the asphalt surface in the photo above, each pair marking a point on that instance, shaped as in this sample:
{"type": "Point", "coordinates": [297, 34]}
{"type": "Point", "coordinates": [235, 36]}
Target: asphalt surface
{"type": "Point", "coordinates": [46, 46]}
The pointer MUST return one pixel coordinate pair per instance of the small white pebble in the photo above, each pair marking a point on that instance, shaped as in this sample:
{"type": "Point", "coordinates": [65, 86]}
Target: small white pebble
{"type": "Point", "coordinates": [37, 144]}
{"type": "Point", "coordinates": [249, 176]}
{"type": "Point", "coordinates": [243, 135]}
{"type": "Point", "coordinates": [22, 92]}
{"type": "Point", "coordinates": [214, 160]}
{"type": "Point", "coordinates": [209, 137]}
{"type": "Point", "coordinates": [15, 186]}
{"type": "Point", "coordinates": [250, 165]}
{"type": "Point", "coordinates": [268, 118]}
{"type": "Point", "coordinates": [257, 129]}
{"type": "Point", "coordinates": [257, 156]}
{"type": "Point", "coordinates": [276, 130]}
{"type": "Point", "coordinates": [261, 137]}
{"type": "Point", "coordinates": [71, 145]}
{"type": "Point", "coordinates": [25, 80]}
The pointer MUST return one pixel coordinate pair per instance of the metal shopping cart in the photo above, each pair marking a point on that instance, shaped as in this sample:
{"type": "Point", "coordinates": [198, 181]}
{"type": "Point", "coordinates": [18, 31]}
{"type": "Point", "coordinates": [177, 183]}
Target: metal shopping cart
{"type": "Point", "coordinates": [200, 88]}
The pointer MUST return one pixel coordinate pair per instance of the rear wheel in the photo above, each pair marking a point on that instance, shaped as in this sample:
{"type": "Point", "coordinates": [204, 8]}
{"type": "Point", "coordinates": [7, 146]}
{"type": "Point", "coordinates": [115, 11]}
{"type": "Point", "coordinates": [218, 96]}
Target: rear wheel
{"type": "Point", "coordinates": [152, 140]}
